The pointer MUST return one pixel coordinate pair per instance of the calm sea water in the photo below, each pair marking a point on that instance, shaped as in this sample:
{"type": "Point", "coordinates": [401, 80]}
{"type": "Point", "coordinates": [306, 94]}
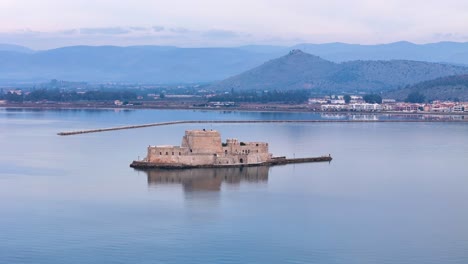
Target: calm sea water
{"type": "Point", "coordinates": [394, 193]}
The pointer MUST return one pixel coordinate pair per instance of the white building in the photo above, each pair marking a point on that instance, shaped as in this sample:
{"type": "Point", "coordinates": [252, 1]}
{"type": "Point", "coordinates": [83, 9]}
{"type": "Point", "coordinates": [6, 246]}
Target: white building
{"type": "Point", "coordinates": [317, 101]}
{"type": "Point", "coordinates": [365, 107]}
{"type": "Point", "coordinates": [458, 108]}
{"type": "Point", "coordinates": [334, 107]}
{"type": "Point", "coordinates": [337, 101]}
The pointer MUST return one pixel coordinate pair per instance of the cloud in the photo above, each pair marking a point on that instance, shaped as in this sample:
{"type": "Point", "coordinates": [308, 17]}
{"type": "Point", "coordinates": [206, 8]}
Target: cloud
{"type": "Point", "coordinates": [449, 36]}
{"type": "Point", "coordinates": [357, 21]}
{"type": "Point", "coordinates": [219, 33]}
{"type": "Point", "coordinates": [105, 31]}
{"type": "Point", "coordinates": [69, 32]}
{"type": "Point", "coordinates": [26, 32]}
{"type": "Point", "coordinates": [179, 30]}
{"type": "Point", "coordinates": [138, 28]}
{"type": "Point", "coordinates": [157, 28]}
{"type": "Point", "coordinates": [129, 35]}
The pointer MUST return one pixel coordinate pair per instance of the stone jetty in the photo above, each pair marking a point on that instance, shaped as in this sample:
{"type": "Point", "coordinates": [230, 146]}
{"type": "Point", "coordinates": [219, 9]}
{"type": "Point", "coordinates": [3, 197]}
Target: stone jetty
{"type": "Point", "coordinates": [77, 132]}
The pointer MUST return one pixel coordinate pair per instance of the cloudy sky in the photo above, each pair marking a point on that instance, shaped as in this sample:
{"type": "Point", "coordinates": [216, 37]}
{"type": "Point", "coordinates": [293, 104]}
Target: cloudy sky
{"type": "Point", "coordinates": [41, 24]}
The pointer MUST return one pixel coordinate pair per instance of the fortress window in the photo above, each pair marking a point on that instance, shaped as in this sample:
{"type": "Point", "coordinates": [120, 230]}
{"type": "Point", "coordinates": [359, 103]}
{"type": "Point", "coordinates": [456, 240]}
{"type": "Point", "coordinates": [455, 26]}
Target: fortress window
{"type": "Point", "coordinates": [190, 150]}
{"type": "Point", "coordinates": [172, 153]}
{"type": "Point", "coordinates": [179, 153]}
{"type": "Point", "coordinates": [256, 145]}
{"type": "Point", "coordinates": [160, 153]}
{"type": "Point", "coordinates": [225, 152]}
{"type": "Point", "coordinates": [167, 153]}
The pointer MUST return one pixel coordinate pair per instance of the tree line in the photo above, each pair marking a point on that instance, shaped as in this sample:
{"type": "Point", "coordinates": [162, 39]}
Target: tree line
{"type": "Point", "coordinates": [57, 95]}
{"type": "Point", "coordinates": [290, 96]}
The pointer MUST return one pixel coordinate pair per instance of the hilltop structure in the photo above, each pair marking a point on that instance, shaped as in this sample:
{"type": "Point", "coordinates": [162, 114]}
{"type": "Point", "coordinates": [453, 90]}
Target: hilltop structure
{"type": "Point", "coordinates": [203, 148]}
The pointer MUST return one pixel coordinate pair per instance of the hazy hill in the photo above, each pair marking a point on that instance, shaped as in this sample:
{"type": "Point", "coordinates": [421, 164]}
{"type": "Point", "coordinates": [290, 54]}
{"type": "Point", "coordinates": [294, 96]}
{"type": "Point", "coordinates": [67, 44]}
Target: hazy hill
{"type": "Point", "coordinates": [296, 70]}
{"type": "Point", "coordinates": [301, 70]}
{"type": "Point", "coordinates": [165, 64]}
{"type": "Point", "coordinates": [444, 88]}
{"type": "Point", "coordinates": [15, 48]}
{"type": "Point", "coordinates": [156, 64]}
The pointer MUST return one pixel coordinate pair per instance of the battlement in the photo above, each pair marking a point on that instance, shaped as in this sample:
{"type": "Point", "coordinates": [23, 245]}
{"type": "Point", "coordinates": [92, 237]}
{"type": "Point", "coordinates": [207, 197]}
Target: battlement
{"type": "Point", "coordinates": [232, 141]}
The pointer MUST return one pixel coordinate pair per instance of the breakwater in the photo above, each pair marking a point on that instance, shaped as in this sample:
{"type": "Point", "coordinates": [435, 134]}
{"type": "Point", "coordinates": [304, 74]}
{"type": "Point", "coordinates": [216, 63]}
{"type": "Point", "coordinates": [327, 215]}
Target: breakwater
{"type": "Point", "coordinates": [77, 132]}
{"type": "Point", "coordinates": [281, 161]}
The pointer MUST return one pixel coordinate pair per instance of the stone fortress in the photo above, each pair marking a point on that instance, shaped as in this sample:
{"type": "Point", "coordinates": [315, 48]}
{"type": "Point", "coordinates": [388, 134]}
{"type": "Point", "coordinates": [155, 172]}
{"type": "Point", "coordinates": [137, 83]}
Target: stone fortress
{"type": "Point", "coordinates": [203, 147]}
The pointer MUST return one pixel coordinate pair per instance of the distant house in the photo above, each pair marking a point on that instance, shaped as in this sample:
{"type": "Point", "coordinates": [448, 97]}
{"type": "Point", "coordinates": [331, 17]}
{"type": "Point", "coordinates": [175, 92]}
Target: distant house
{"type": "Point", "coordinates": [317, 101]}
{"type": "Point", "coordinates": [427, 107]}
{"type": "Point", "coordinates": [407, 107]}
{"type": "Point", "coordinates": [337, 101]}
{"type": "Point", "coordinates": [17, 92]}
{"type": "Point", "coordinates": [365, 107]}
{"type": "Point", "coordinates": [221, 104]}
{"type": "Point", "coordinates": [334, 107]}
{"type": "Point", "coordinates": [458, 108]}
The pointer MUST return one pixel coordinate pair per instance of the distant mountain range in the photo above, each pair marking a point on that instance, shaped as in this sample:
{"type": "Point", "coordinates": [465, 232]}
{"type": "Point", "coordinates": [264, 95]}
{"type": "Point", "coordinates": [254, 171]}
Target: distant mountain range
{"type": "Point", "coordinates": [137, 64]}
{"type": "Point", "coordinates": [299, 70]}
{"type": "Point", "coordinates": [15, 48]}
{"type": "Point", "coordinates": [444, 88]}
{"type": "Point", "coordinates": [447, 52]}
{"type": "Point", "coordinates": [166, 64]}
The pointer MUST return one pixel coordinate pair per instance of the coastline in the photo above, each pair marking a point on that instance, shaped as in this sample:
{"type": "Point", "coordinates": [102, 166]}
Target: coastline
{"type": "Point", "coordinates": [271, 108]}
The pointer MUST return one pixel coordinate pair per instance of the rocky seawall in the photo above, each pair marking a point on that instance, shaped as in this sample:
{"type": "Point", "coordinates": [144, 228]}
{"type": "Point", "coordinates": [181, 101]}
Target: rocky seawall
{"type": "Point", "coordinates": [274, 161]}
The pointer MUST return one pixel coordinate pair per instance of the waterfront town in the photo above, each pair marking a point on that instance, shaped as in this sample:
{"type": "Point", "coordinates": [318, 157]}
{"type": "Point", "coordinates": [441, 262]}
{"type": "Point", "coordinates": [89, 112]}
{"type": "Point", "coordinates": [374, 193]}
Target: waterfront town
{"type": "Point", "coordinates": [358, 104]}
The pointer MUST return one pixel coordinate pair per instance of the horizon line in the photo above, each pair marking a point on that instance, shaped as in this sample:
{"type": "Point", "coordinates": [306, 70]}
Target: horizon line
{"type": "Point", "coordinates": [239, 46]}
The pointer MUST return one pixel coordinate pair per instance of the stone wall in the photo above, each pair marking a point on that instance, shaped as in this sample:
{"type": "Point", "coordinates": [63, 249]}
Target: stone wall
{"type": "Point", "coordinates": [202, 141]}
{"type": "Point", "coordinates": [200, 147]}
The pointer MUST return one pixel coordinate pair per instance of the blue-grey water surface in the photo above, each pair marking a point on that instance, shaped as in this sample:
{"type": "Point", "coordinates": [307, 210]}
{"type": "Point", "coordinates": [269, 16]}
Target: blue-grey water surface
{"type": "Point", "coordinates": [394, 192]}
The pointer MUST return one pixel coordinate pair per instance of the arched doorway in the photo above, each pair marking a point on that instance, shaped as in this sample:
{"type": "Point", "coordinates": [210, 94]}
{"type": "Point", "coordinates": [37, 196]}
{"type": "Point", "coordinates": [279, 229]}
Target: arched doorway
{"type": "Point", "coordinates": [241, 160]}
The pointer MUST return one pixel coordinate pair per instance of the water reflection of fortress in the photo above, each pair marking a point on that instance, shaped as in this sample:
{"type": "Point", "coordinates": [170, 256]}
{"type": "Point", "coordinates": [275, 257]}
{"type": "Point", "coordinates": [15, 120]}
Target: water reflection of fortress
{"type": "Point", "coordinates": [207, 179]}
